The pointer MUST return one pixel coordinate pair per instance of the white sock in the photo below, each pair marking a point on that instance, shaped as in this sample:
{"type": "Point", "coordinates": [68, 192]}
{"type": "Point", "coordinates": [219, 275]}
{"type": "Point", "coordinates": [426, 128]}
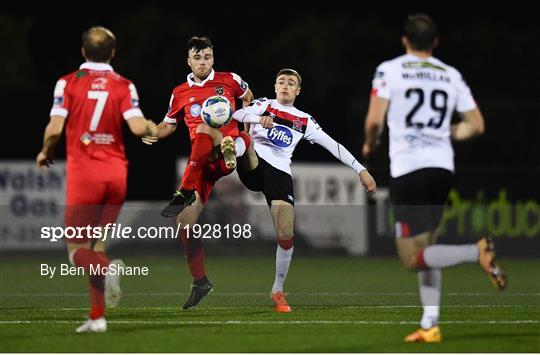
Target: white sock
{"type": "Point", "coordinates": [429, 285]}
{"type": "Point", "coordinates": [443, 256]}
{"type": "Point", "coordinates": [283, 260]}
{"type": "Point", "coordinates": [240, 146]}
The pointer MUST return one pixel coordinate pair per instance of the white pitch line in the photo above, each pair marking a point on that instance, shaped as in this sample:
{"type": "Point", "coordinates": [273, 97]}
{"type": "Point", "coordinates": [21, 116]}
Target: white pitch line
{"type": "Point", "coordinates": [270, 322]}
{"type": "Point", "coordinates": [298, 307]}
{"type": "Point", "coordinates": [81, 294]}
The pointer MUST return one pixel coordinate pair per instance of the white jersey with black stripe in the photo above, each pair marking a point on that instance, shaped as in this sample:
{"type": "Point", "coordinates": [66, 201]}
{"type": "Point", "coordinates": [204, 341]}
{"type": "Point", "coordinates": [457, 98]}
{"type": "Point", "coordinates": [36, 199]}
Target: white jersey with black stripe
{"type": "Point", "coordinates": [276, 145]}
{"type": "Point", "coordinates": [423, 94]}
{"type": "Point", "coordinates": [291, 125]}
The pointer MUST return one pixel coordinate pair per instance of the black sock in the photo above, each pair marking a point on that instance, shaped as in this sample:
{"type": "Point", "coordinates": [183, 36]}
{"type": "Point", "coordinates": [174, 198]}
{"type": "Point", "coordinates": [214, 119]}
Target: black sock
{"type": "Point", "coordinates": [200, 281]}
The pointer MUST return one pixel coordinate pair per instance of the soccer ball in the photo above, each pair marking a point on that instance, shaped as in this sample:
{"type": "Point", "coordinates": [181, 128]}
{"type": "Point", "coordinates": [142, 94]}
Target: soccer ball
{"type": "Point", "coordinates": [216, 111]}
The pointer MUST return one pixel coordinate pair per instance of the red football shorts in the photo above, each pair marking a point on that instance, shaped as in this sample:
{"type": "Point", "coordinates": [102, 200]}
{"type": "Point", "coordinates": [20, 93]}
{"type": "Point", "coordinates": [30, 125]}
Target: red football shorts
{"type": "Point", "coordinates": [212, 172]}
{"type": "Point", "coordinates": [93, 203]}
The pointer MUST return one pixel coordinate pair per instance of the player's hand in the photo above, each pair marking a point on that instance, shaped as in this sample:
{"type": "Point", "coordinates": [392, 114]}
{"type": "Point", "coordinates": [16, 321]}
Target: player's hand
{"type": "Point", "coordinates": [151, 135]}
{"type": "Point", "coordinates": [368, 150]}
{"type": "Point", "coordinates": [368, 182]}
{"type": "Point", "coordinates": [44, 160]}
{"type": "Point", "coordinates": [266, 121]}
{"type": "Point", "coordinates": [149, 139]}
{"type": "Point", "coordinates": [151, 128]}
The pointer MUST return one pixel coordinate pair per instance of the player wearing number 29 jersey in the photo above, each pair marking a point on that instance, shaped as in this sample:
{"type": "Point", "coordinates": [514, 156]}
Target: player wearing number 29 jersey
{"type": "Point", "coordinates": [418, 94]}
{"type": "Point", "coordinates": [424, 93]}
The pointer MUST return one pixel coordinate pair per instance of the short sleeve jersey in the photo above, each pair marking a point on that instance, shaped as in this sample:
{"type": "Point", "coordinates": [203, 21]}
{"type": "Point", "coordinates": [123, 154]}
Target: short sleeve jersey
{"type": "Point", "coordinates": [187, 99]}
{"type": "Point", "coordinates": [95, 101]}
{"type": "Point", "coordinates": [423, 94]}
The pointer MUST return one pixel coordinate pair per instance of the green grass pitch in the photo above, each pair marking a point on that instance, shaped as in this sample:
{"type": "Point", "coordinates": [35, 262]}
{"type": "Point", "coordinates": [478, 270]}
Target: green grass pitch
{"type": "Point", "coordinates": [339, 305]}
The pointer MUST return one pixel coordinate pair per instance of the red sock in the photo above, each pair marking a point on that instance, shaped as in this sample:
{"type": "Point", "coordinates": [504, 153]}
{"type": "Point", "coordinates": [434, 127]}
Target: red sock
{"type": "Point", "coordinates": [194, 254]}
{"type": "Point", "coordinates": [200, 152]}
{"type": "Point", "coordinates": [286, 243]}
{"type": "Point", "coordinates": [420, 262]}
{"type": "Point", "coordinates": [103, 256]}
{"type": "Point", "coordinates": [86, 257]}
{"type": "Point", "coordinates": [222, 168]}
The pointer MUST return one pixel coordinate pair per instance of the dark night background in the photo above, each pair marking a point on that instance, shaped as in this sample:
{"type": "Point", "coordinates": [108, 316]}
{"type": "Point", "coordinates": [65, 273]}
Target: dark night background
{"type": "Point", "coordinates": [495, 45]}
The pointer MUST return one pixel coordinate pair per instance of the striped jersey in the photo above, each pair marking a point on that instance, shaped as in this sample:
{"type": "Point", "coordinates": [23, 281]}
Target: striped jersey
{"type": "Point", "coordinates": [276, 145]}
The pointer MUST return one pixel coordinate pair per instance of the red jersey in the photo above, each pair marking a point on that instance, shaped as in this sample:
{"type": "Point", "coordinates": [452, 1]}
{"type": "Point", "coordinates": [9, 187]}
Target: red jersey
{"type": "Point", "coordinates": [186, 99]}
{"type": "Point", "coordinates": [95, 100]}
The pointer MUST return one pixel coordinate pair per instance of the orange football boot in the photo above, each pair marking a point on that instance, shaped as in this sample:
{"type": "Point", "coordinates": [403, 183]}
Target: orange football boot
{"type": "Point", "coordinates": [431, 335]}
{"type": "Point", "coordinates": [281, 303]}
{"type": "Point", "coordinates": [488, 261]}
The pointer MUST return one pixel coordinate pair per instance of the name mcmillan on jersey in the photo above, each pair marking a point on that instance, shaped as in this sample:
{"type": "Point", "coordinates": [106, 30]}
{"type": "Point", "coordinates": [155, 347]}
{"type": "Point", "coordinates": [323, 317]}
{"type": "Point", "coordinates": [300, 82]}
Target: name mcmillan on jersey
{"type": "Point", "coordinates": [113, 270]}
{"type": "Point", "coordinates": [424, 93]}
{"type": "Point", "coordinates": [425, 76]}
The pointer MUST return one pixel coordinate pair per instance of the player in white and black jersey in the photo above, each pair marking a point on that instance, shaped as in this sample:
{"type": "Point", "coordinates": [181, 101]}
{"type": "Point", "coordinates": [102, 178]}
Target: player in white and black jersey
{"type": "Point", "coordinates": [418, 94]}
{"type": "Point", "coordinates": [266, 166]}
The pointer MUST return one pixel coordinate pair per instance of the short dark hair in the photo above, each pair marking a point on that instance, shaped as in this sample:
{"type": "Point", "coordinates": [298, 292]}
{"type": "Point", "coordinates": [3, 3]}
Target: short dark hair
{"type": "Point", "coordinates": [198, 44]}
{"type": "Point", "coordinates": [421, 32]}
{"type": "Point", "coordinates": [98, 43]}
{"type": "Point", "coordinates": [293, 72]}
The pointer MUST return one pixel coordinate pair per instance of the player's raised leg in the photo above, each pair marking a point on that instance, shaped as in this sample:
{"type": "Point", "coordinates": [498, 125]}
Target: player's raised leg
{"type": "Point", "coordinates": [487, 259]}
{"type": "Point", "coordinates": [483, 252]}
{"type": "Point", "coordinates": [283, 217]}
{"type": "Point", "coordinates": [248, 160]}
{"type": "Point", "coordinates": [228, 150]}
{"type": "Point", "coordinates": [203, 144]}
{"type": "Point", "coordinates": [242, 143]}
{"type": "Point", "coordinates": [420, 254]}
{"type": "Point", "coordinates": [231, 149]}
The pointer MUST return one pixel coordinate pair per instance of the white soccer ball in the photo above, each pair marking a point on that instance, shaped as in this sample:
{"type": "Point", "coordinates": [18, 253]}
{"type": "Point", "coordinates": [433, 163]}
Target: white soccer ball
{"type": "Point", "coordinates": [216, 111]}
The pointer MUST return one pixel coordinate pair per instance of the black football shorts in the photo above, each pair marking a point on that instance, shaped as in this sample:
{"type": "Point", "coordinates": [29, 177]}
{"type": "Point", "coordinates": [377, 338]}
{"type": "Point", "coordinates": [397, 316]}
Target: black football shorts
{"type": "Point", "coordinates": [273, 183]}
{"type": "Point", "coordinates": [418, 200]}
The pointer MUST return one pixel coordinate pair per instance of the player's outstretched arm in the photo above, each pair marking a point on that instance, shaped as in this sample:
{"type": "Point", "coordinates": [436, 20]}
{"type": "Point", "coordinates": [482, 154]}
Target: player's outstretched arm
{"type": "Point", "coordinates": [51, 136]}
{"type": "Point", "coordinates": [341, 153]}
{"type": "Point", "coordinates": [163, 130]}
{"type": "Point", "coordinates": [471, 125]}
{"type": "Point", "coordinates": [374, 124]}
{"type": "Point", "coordinates": [368, 182]}
{"type": "Point", "coordinates": [140, 126]}
{"type": "Point", "coordinates": [246, 117]}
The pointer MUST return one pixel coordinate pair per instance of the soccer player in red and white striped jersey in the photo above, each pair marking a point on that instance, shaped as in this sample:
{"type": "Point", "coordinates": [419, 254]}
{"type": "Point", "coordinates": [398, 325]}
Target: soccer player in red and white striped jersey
{"type": "Point", "coordinates": [92, 103]}
{"type": "Point", "coordinates": [267, 166]}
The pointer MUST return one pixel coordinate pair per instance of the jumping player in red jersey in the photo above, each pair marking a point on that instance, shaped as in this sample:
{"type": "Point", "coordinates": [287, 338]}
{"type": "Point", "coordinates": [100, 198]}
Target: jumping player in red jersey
{"type": "Point", "coordinates": [92, 103]}
{"type": "Point", "coordinates": [213, 151]}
